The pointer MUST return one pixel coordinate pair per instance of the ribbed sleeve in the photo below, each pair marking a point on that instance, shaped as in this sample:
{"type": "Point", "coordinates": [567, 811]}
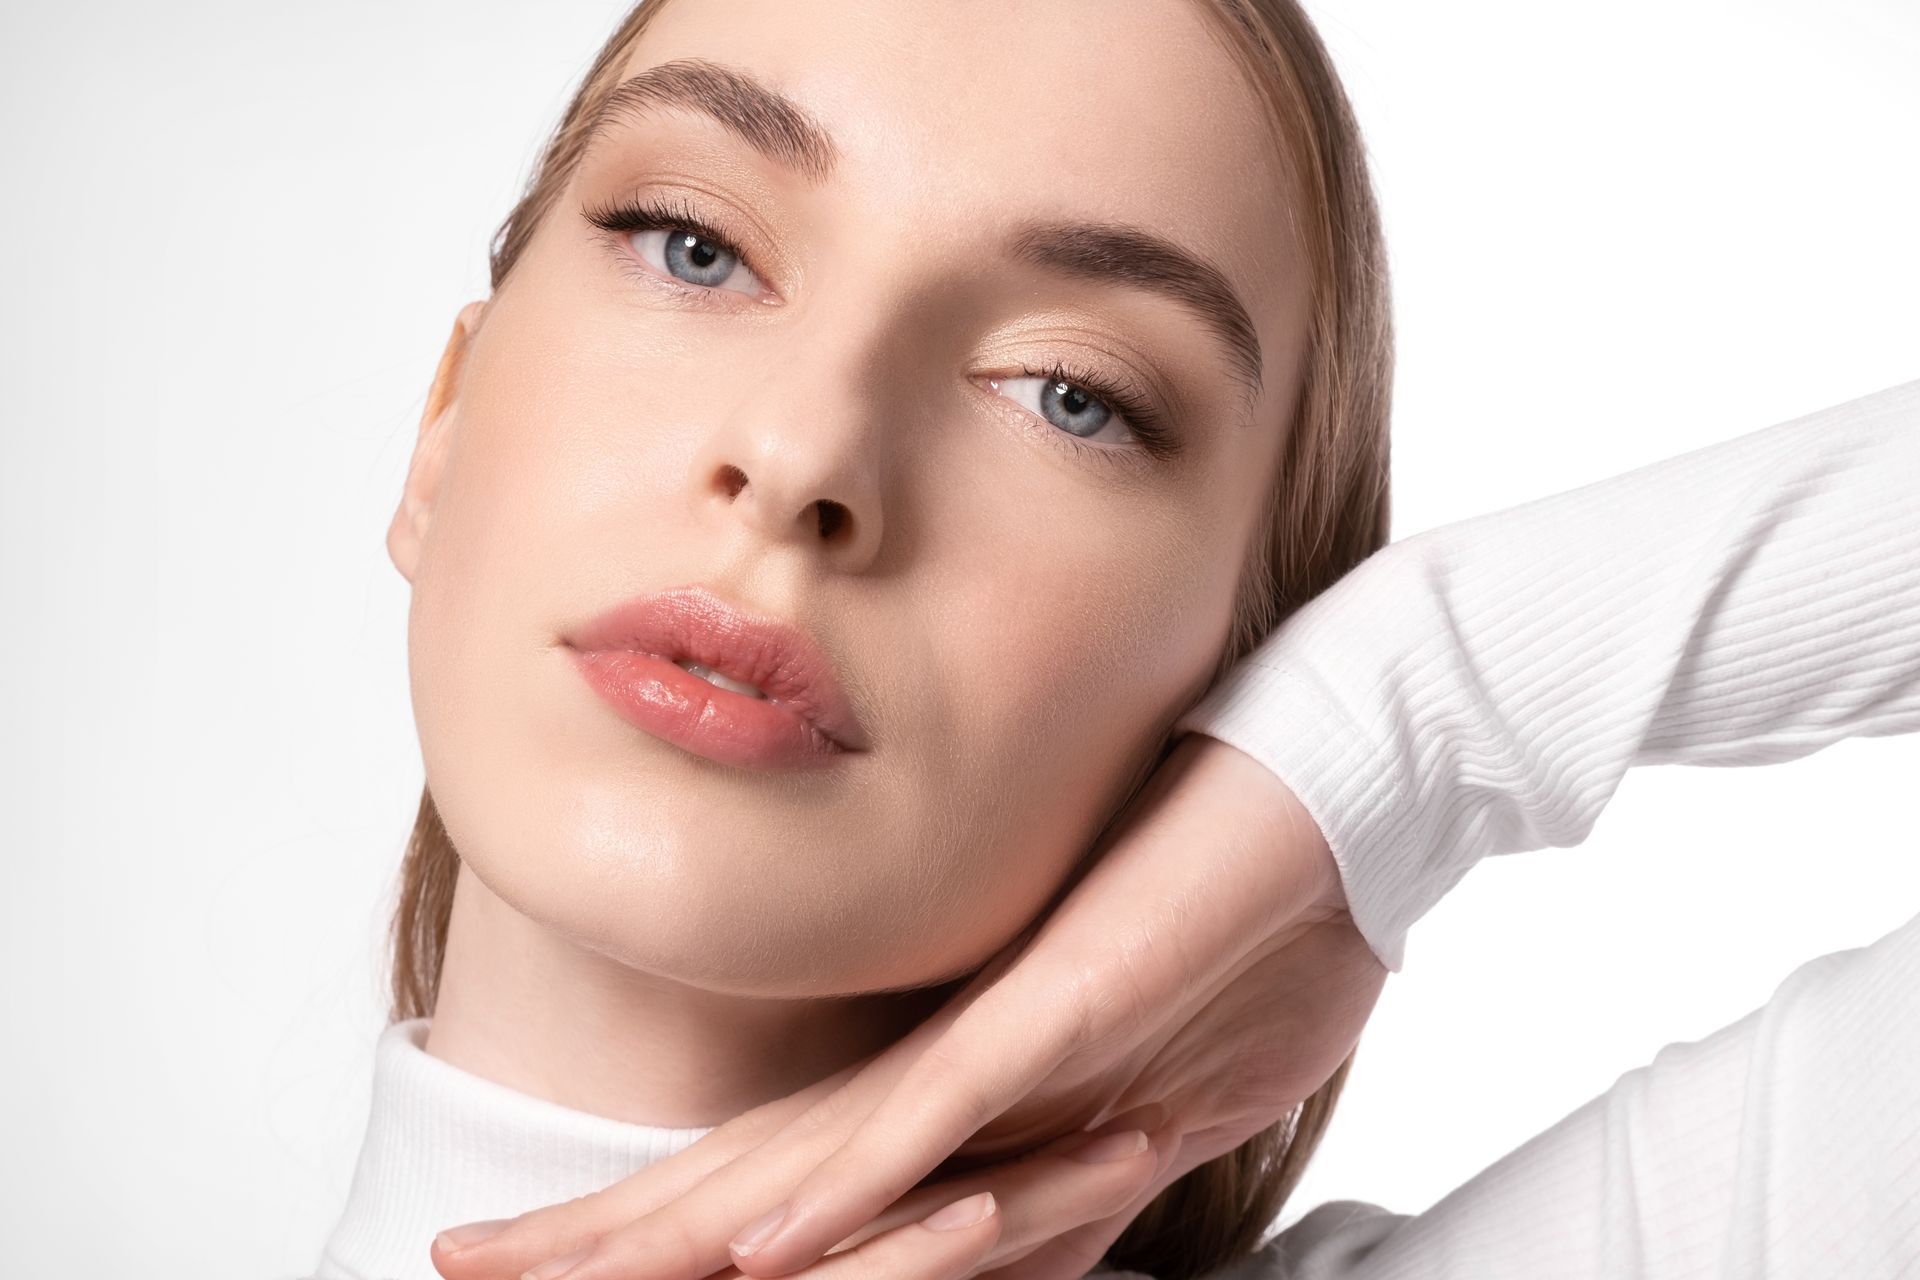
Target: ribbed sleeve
{"type": "Point", "coordinates": [1784, 1146]}
{"type": "Point", "coordinates": [1481, 687]}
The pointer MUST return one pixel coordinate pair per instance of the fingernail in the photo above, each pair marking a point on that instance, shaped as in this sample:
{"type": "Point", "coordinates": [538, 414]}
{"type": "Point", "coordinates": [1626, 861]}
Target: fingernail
{"type": "Point", "coordinates": [558, 1266]}
{"type": "Point", "coordinates": [472, 1233]}
{"type": "Point", "coordinates": [1112, 1146]}
{"type": "Point", "coordinates": [759, 1231]}
{"type": "Point", "coordinates": [1149, 1116]}
{"type": "Point", "coordinates": [961, 1213]}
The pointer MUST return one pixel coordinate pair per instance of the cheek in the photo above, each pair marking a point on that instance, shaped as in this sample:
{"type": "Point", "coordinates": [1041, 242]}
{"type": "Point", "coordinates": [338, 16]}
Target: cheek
{"type": "Point", "coordinates": [1052, 627]}
{"type": "Point", "coordinates": [552, 488]}
{"type": "Point", "coordinates": [1078, 650]}
{"type": "Point", "coordinates": [565, 477]}
{"type": "Point", "coordinates": [1102, 612]}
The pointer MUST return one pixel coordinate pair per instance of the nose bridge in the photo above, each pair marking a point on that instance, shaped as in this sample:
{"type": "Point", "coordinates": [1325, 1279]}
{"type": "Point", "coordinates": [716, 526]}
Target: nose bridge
{"type": "Point", "coordinates": [797, 453]}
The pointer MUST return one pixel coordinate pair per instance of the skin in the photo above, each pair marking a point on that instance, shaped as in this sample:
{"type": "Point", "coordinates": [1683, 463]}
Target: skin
{"type": "Point", "coordinates": [1200, 981]}
{"type": "Point", "coordinates": [980, 595]}
{"type": "Point", "coordinates": [1017, 616]}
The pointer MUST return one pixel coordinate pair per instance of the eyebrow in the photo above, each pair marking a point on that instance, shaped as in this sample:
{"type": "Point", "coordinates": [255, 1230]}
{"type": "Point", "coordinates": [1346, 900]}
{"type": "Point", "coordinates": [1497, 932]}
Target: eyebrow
{"type": "Point", "coordinates": [764, 118]}
{"type": "Point", "coordinates": [1115, 254]}
{"type": "Point", "coordinates": [782, 131]}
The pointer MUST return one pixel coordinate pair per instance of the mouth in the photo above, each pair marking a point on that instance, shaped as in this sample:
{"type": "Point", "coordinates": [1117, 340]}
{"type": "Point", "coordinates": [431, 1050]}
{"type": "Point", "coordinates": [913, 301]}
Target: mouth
{"type": "Point", "coordinates": [691, 668]}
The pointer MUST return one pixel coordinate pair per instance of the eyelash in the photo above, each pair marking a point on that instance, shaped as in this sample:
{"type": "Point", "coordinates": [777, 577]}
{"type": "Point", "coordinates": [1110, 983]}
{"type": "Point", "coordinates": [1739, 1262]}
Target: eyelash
{"type": "Point", "coordinates": [1144, 422]}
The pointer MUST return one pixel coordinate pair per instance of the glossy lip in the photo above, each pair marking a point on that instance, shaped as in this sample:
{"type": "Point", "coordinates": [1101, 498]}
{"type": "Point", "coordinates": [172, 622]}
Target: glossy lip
{"type": "Point", "coordinates": [628, 655]}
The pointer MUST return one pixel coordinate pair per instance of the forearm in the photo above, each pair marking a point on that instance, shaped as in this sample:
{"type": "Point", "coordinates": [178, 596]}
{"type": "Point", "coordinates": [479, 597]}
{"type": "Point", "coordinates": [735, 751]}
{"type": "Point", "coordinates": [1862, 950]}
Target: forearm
{"type": "Point", "coordinates": [1480, 688]}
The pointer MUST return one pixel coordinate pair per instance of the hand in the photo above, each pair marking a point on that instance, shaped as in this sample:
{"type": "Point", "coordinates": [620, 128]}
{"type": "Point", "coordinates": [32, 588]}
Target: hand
{"type": "Point", "coordinates": [1205, 962]}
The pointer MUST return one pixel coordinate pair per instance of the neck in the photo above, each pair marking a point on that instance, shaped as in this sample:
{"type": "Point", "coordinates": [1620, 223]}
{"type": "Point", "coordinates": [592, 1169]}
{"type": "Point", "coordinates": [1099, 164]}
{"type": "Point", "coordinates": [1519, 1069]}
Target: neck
{"type": "Point", "coordinates": [531, 1009]}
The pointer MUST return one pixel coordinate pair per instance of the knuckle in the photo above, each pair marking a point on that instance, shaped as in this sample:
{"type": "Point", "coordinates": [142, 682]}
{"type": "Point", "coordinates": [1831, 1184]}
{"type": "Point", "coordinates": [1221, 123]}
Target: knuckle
{"type": "Point", "coordinates": [1097, 1009]}
{"type": "Point", "coordinates": [837, 1109]}
{"type": "Point", "coordinates": [665, 1248]}
{"type": "Point", "coordinates": [1120, 1190]}
{"type": "Point", "coordinates": [853, 1200]}
{"type": "Point", "coordinates": [1079, 1249]}
{"type": "Point", "coordinates": [945, 1085]}
{"type": "Point", "coordinates": [552, 1226]}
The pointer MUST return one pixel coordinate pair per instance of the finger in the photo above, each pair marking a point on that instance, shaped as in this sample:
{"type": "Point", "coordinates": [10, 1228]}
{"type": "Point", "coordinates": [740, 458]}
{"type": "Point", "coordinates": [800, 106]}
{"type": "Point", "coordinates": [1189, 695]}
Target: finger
{"type": "Point", "coordinates": [1035, 1199]}
{"type": "Point", "coordinates": [1070, 1254]}
{"type": "Point", "coordinates": [965, 1077]}
{"type": "Point", "coordinates": [684, 1221]}
{"type": "Point", "coordinates": [946, 1245]}
{"type": "Point", "coordinates": [1100, 975]}
{"type": "Point", "coordinates": [1112, 1172]}
{"type": "Point", "coordinates": [493, 1250]}
{"type": "Point", "coordinates": [995, 1052]}
{"type": "Point", "coordinates": [767, 1150]}
{"type": "Point", "coordinates": [1044, 1191]}
{"type": "Point", "coordinates": [1039, 1190]}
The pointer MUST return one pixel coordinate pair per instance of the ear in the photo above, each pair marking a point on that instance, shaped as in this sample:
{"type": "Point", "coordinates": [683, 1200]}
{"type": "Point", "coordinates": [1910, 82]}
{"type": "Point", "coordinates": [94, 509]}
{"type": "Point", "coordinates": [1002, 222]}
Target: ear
{"type": "Point", "coordinates": [409, 528]}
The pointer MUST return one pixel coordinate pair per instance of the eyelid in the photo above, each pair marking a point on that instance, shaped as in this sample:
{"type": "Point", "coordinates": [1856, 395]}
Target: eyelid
{"type": "Point", "coordinates": [1124, 453]}
{"type": "Point", "coordinates": [1153, 439]}
{"type": "Point", "coordinates": [1153, 436]}
{"type": "Point", "coordinates": [1151, 429]}
{"type": "Point", "coordinates": [621, 218]}
{"type": "Point", "coordinates": [1118, 417]}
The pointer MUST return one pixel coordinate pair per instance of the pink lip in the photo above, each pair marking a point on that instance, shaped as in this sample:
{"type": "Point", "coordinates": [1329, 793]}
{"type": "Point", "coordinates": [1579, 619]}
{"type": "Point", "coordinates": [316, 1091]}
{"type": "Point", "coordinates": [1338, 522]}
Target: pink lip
{"type": "Point", "coordinates": [628, 655]}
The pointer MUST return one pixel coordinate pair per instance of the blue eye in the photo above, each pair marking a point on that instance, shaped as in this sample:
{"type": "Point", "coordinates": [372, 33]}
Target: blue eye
{"type": "Point", "coordinates": [671, 239]}
{"type": "Point", "coordinates": [697, 259]}
{"type": "Point", "coordinates": [1084, 407]}
{"type": "Point", "coordinates": [1068, 405]}
{"type": "Point", "coordinates": [677, 243]}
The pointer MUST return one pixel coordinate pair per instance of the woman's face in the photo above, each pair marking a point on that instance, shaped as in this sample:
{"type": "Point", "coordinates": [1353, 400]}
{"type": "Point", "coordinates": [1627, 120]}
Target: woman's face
{"type": "Point", "coordinates": [1020, 591]}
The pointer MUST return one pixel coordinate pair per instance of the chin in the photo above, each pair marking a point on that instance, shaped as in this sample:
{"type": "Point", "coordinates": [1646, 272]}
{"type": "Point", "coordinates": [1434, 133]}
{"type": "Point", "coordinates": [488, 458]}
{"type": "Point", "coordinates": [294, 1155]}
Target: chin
{"type": "Point", "coordinates": [689, 913]}
{"type": "Point", "coordinates": [772, 887]}
{"type": "Point", "coordinates": [778, 951]}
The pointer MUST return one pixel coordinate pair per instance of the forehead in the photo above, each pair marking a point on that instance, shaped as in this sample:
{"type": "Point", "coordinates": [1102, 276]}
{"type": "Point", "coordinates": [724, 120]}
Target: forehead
{"type": "Point", "coordinates": [1130, 111]}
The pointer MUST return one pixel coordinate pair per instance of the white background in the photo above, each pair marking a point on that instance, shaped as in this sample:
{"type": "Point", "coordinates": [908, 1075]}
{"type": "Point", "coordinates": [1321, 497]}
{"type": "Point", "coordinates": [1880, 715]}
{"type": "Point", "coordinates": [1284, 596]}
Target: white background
{"type": "Point", "coordinates": [235, 237]}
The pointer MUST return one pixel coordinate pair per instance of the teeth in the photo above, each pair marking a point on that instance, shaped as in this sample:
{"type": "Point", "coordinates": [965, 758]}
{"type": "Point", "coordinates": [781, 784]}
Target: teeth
{"type": "Point", "coordinates": [715, 678]}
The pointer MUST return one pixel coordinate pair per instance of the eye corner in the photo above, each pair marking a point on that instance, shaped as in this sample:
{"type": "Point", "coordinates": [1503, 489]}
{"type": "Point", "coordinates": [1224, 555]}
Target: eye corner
{"type": "Point", "coordinates": [622, 221]}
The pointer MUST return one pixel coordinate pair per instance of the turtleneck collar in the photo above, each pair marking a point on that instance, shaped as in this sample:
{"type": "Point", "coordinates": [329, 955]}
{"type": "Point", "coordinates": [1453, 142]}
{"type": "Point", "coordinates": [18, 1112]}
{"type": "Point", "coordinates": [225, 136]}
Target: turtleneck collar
{"type": "Point", "coordinates": [445, 1147]}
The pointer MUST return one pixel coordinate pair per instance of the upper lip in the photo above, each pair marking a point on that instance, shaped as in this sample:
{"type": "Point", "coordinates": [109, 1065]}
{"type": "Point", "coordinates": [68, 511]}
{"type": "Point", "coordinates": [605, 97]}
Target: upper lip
{"type": "Point", "coordinates": [692, 624]}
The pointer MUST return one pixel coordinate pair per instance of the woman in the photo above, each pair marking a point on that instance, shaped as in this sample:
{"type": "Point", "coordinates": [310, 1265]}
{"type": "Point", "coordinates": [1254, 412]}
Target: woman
{"type": "Point", "coordinates": [830, 346]}
{"type": "Point", "coordinates": [1477, 689]}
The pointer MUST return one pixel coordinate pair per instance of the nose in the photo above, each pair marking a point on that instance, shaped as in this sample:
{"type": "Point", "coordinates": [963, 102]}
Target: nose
{"type": "Point", "coordinates": [797, 460]}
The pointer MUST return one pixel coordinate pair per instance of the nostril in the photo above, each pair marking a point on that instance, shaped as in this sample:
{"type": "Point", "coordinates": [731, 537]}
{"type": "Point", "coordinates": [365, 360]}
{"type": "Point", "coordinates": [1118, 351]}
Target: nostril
{"type": "Point", "coordinates": [732, 480]}
{"type": "Point", "coordinates": [832, 516]}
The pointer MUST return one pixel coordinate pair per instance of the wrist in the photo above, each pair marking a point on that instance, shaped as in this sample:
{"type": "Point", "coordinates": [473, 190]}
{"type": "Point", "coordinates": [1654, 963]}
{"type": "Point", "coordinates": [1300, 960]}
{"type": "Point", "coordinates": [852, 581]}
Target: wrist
{"type": "Point", "coordinates": [1282, 827]}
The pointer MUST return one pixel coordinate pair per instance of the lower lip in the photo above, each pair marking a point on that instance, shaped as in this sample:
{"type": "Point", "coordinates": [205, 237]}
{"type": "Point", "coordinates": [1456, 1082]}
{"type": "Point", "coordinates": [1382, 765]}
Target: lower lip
{"type": "Point", "coordinates": [672, 703]}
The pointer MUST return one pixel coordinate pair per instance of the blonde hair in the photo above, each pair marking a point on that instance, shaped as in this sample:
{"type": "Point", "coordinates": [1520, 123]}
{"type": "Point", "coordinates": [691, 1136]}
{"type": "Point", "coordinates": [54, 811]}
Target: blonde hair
{"type": "Point", "coordinates": [1328, 510]}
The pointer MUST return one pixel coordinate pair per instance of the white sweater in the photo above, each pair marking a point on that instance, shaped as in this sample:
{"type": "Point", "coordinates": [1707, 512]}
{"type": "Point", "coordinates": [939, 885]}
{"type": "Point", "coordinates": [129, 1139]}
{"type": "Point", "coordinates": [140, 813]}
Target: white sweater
{"type": "Point", "coordinates": [1480, 689]}
{"type": "Point", "coordinates": [445, 1147]}
{"type": "Point", "coordinates": [1472, 690]}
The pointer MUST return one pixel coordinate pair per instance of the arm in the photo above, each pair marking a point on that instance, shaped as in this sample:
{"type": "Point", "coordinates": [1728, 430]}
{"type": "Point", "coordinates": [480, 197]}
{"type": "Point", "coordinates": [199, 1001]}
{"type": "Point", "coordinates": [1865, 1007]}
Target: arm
{"type": "Point", "coordinates": [1481, 687]}
{"type": "Point", "coordinates": [1787, 1143]}
{"type": "Point", "coordinates": [1023, 1041]}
